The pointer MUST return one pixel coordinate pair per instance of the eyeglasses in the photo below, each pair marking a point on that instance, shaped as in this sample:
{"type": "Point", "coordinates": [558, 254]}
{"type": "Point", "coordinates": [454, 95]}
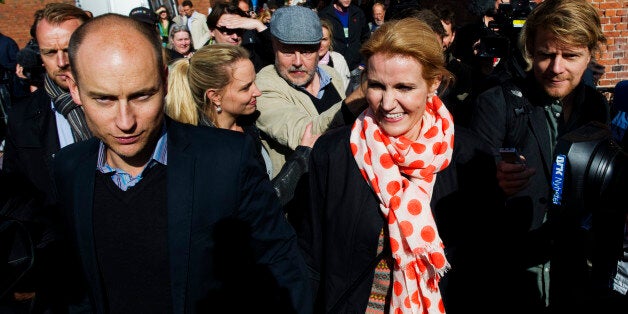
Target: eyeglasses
{"type": "Point", "coordinates": [230, 31]}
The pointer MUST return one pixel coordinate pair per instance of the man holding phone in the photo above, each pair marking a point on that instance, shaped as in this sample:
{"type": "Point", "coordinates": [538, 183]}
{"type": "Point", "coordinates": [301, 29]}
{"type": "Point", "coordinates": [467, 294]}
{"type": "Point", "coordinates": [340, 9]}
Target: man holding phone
{"type": "Point", "coordinates": [560, 37]}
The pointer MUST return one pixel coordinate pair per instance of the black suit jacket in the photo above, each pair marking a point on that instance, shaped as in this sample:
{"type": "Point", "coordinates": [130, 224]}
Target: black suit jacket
{"type": "Point", "coordinates": [217, 191]}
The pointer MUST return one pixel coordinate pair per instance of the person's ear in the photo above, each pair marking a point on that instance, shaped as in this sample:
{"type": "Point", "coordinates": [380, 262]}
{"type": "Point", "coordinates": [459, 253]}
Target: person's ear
{"type": "Point", "coordinates": [74, 89]}
{"type": "Point", "coordinates": [214, 96]}
{"type": "Point", "coordinates": [434, 87]}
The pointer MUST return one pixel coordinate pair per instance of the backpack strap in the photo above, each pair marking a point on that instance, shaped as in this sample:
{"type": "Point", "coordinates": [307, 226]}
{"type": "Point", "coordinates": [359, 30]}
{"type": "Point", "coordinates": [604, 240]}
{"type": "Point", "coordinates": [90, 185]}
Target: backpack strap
{"type": "Point", "coordinates": [518, 110]}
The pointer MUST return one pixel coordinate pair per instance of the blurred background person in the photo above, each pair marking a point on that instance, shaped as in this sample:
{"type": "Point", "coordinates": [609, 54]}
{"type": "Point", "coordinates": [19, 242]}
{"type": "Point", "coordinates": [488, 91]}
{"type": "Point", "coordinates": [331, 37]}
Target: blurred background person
{"type": "Point", "coordinates": [350, 31]}
{"type": "Point", "coordinates": [264, 16]}
{"type": "Point", "coordinates": [8, 52]}
{"type": "Point", "coordinates": [457, 95]}
{"type": "Point", "coordinates": [379, 14]}
{"type": "Point", "coordinates": [180, 18]}
{"type": "Point", "coordinates": [331, 58]}
{"type": "Point", "coordinates": [164, 24]}
{"type": "Point", "coordinates": [180, 43]}
{"type": "Point", "coordinates": [30, 68]}
{"type": "Point", "coordinates": [147, 17]}
{"type": "Point", "coordinates": [197, 24]}
{"type": "Point", "coordinates": [228, 24]}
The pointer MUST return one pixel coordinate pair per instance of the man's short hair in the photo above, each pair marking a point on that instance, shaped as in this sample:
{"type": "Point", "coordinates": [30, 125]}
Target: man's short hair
{"type": "Point", "coordinates": [187, 3]}
{"type": "Point", "coordinates": [119, 21]}
{"type": "Point", "coordinates": [57, 13]}
{"type": "Point", "coordinates": [573, 22]}
{"type": "Point", "coordinates": [296, 25]}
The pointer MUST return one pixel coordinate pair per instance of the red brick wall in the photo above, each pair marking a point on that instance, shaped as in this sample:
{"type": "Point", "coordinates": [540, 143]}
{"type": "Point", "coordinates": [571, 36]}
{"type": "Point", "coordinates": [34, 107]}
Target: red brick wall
{"type": "Point", "coordinates": [614, 56]}
{"type": "Point", "coordinates": [17, 16]}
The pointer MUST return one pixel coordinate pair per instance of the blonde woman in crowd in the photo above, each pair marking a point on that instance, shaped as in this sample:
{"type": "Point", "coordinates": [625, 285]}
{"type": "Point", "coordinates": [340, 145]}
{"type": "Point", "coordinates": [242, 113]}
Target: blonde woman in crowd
{"type": "Point", "coordinates": [331, 58]}
{"type": "Point", "coordinates": [216, 88]}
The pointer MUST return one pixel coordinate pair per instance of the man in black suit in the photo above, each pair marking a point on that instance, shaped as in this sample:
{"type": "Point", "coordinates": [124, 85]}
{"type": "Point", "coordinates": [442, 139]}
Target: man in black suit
{"type": "Point", "coordinates": [38, 127]}
{"type": "Point", "coordinates": [166, 217]}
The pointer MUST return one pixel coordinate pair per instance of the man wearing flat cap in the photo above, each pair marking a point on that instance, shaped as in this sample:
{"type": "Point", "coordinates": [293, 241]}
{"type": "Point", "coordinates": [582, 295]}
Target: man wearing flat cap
{"type": "Point", "coordinates": [296, 90]}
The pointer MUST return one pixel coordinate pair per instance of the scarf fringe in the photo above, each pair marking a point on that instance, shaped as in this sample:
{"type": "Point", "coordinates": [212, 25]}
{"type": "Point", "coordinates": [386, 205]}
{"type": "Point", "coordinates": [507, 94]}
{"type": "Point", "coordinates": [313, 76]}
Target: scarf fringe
{"type": "Point", "coordinates": [423, 258]}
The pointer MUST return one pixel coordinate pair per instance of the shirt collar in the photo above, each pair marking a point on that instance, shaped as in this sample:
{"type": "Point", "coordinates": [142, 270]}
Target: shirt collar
{"type": "Point", "coordinates": [325, 77]}
{"type": "Point", "coordinates": [160, 154]}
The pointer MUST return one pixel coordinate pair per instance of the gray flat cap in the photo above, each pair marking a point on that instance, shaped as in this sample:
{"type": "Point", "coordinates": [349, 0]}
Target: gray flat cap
{"type": "Point", "coordinates": [296, 25]}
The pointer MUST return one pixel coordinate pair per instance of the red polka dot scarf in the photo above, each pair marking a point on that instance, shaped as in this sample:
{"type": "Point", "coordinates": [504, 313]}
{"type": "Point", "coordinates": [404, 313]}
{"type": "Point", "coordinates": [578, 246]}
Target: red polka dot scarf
{"type": "Point", "coordinates": [402, 174]}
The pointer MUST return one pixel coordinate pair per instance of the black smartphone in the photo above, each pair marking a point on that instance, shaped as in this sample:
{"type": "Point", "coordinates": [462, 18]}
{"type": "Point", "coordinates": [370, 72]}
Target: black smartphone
{"type": "Point", "coordinates": [510, 155]}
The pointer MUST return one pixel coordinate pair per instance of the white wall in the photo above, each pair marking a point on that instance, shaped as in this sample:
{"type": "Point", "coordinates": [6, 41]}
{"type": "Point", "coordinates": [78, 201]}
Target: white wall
{"type": "Point", "coordinates": [99, 7]}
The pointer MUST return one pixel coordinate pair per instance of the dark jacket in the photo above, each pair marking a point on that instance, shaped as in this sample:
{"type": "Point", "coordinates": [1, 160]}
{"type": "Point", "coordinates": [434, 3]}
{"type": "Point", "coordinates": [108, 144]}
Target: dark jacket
{"type": "Point", "coordinates": [490, 118]}
{"type": "Point", "coordinates": [358, 33]}
{"type": "Point", "coordinates": [31, 143]}
{"type": "Point", "coordinates": [260, 48]}
{"type": "Point", "coordinates": [340, 227]}
{"type": "Point", "coordinates": [174, 55]}
{"type": "Point", "coordinates": [285, 182]}
{"type": "Point", "coordinates": [28, 191]}
{"type": "Point", "coordinates": [564, 247]}
{"type": "Point", "coordinates": [213, 180]}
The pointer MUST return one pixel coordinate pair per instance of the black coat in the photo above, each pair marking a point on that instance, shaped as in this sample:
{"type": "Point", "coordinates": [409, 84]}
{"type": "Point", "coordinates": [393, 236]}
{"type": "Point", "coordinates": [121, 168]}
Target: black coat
{"type": "Point", "coordinates": [339, 230]}
{"type": "Point", "coordinates": [358, 33]}
{"type": "Point", "coordinates": [28, 193]}
{"type": "Point", "coordinates": [214, 181]}
{"type": "Point", "coordinates": [566, 246]}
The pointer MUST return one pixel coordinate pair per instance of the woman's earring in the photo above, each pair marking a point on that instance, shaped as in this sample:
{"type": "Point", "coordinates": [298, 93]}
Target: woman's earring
{"type": "Point", "coordinates": [218, 109]}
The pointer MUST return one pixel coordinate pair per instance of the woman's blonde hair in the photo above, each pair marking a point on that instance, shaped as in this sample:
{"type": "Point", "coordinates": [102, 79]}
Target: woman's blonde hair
{"type": "Point", "coordinates": [413, 38]}
{"type": "Point", "coordinates": [211, 67]}
{"type": "Point", "coordinates": [325, 23]}
{"type": "Point", "coordinates": [264, 14]}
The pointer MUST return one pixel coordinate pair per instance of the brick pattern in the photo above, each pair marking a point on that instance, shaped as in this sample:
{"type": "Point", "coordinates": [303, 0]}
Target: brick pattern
{"type": "Point", "coordinates": [614, 55]}
{"type": "Point", "coordinates": [17, 17]}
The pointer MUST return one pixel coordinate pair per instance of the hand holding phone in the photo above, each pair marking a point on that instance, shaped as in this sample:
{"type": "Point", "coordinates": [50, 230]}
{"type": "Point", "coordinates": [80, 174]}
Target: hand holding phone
{"type": "Point", "coordinates": [511, 155]}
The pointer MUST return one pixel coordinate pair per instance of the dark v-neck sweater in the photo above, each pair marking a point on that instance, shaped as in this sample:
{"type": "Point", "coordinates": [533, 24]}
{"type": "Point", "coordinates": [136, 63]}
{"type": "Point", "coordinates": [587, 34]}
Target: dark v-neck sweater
{"type": "Point", "coordinates": [130, 234]}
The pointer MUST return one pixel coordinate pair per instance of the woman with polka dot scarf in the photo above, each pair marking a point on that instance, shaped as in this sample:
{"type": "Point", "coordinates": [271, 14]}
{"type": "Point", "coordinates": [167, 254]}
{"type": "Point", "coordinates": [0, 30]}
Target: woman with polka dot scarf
{"type": "Point", "coordinates": [369, 236]}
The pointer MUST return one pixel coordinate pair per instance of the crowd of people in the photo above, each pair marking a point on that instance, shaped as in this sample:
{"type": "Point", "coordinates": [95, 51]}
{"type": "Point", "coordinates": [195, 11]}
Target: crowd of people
{"type": "Point", "coordinates": [307, 157]}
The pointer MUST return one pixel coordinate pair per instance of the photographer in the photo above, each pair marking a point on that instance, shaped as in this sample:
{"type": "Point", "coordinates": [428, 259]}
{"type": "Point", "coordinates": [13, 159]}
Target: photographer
{"type": "Point", "coordinates": [30, 69]}
{"type": "Point", "coordinates": [559, 39]}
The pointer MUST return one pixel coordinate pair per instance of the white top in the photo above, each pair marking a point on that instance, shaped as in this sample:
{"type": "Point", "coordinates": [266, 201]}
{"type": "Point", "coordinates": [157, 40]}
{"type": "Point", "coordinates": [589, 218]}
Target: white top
{"type": "Point", "coordinates": [340, 65]}
{"type": "Point", "coordinates": [64, 130]}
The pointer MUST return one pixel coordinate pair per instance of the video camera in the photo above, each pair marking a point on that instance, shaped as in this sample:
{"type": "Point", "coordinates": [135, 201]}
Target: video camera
{"type": "Point", "coordinates": [590, 171]}
{"type": "Point", "coordinates": [502, 33]}
{"type": "Point", "coordinates": [587, 215]}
